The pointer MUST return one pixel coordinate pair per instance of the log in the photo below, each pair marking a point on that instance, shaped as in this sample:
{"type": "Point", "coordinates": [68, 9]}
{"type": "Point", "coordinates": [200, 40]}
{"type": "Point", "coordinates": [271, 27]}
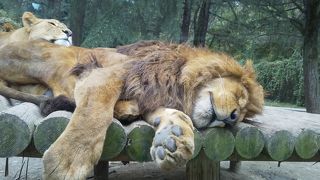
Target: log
{"type": "Point", "coordinates": [49, 129]}
{"type": "Point", "coordinates": [249, 142]}
{"type": "Point", "coordinates": [116, 139]}
{"type": "Point", "coordinates": [16, 128]}
{"type": "Point", "coordinates": [290, 119]}
{"type": "Point", "coordinates": [197, 143]}
{"type": "Point", "coordinates": [307, 144]}
{"type": "Point", "coordinates": [201, 168]}
{"type": "Point", "coordinates": [4, 103]}
{"type": "Point", "coordinates": [280, 145]}
{"type": "Point", "coordinates": [218, 144]}
{"type": "Point", "coordinates": [140, 136]}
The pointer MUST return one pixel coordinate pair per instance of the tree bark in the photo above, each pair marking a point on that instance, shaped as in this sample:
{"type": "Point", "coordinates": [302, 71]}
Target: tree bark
{"type": "Point", "coordinates": [202, 24]}
{"type": "Point", "coordinates": [77, 15]}
{"type": "Point", "coordinates": [54, 9]}
{"type": "Point", "coordinates": [310, 56]}
{"type": "Point", "coordinates": [186, 21]}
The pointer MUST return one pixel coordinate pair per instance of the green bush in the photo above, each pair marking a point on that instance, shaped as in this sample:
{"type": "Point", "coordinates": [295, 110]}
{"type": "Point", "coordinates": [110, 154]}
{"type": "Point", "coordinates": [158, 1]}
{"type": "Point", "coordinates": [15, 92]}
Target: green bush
{"type": "Point", "coordinates": [283, 79]}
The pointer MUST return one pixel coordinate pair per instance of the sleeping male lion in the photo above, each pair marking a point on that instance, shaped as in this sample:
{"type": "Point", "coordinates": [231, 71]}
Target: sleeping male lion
{"type": "Point", "coordinates": [175, 87]}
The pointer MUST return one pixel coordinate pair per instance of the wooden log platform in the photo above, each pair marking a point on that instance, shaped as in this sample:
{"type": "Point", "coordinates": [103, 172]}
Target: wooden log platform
{"type": "Point", "coordinates": [48, 129]}
{"type": "Point", "coordinates": [4, 103]}
{"type": "Point", "coordinates": [267, 138]}
{"type": "Point", "coordinates": [16, 128]}
{"type": "Point", "coordinates": [280, 134]}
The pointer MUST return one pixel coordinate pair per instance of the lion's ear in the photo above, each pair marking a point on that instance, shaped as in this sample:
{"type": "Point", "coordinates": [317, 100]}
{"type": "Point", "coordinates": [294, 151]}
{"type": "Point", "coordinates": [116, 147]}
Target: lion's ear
{"type": "Point", "coordinates": [243, 99]}
{"type": "Point", "coordinates": [248, 66]}
{"type": "Point", "coordinates": [28, 19]}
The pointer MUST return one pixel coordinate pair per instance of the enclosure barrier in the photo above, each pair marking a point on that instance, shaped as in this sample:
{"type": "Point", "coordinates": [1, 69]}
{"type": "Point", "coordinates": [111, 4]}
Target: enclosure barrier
{"type": "Point", "coordinates": [284, 135]}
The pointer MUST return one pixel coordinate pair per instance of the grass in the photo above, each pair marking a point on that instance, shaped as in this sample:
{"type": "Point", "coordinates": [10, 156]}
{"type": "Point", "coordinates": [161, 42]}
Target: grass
{"type": "Point", "coordinates": [269, 102]}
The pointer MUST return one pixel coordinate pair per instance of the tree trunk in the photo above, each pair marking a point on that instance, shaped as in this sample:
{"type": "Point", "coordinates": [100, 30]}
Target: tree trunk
{"type": "Point", "coordinates": [77, 15]}
{"type": "Point", "coordinates": [186, 21]}
{"type": "Point", "coordinates": [202, 24]}
{"type": "Point", "coordinates": [53, 10]}
{"type": "Point", "coordinates": [310, 56]}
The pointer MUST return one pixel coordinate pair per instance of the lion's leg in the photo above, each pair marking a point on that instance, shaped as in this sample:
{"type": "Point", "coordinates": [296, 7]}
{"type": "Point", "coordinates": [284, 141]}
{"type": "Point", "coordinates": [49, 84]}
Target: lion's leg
{"type": "Point", "coordinates": [173, 144]}
{"type": "Point", "coordinates": [126, 110]}
{"type": "Point", "coordinates": [74, 153]}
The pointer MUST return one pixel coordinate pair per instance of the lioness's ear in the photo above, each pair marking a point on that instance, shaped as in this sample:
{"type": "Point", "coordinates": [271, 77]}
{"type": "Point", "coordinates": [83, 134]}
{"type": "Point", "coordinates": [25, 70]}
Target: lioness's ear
{"type": "Point", "coordinates": [28, 19]}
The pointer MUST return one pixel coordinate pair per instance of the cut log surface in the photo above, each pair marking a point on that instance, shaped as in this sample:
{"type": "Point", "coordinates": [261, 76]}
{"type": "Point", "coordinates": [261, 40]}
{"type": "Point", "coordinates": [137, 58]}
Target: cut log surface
{"type": "Point", "coordinates": [280, 145]}
{"type": "Point", "coordinates": [249, 142]}
{"type": "Point", "coordinates": [218, 144]}
{"type": "Point", "coordinates": [49, 129]}
{"type": "Point", "coordinates": [116, 139]}
{"type": "Point", "coordinates": [140, 136]}
{"type": "Point", "coordinates": [16, 128]}
{"type": "Point", "coordinates": [307, 144]}
{"type": "Point", "coordinates": [198, 143]}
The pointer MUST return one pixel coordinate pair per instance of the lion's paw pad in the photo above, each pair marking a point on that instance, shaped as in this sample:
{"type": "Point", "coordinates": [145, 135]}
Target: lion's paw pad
{"type": "Point", "coordinates": [164, 140]}
{"type": "Point", "coordinates": [170, 147]}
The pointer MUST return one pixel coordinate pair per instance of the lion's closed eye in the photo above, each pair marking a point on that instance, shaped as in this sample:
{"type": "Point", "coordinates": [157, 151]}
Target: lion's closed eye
{"type": "Point", "coordinates": [52, 23]}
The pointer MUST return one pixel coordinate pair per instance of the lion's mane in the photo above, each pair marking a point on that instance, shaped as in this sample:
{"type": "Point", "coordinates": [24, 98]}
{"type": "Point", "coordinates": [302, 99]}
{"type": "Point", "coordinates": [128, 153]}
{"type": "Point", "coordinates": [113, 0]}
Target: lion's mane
{"type": "Point", "coordinates": [170, 75]}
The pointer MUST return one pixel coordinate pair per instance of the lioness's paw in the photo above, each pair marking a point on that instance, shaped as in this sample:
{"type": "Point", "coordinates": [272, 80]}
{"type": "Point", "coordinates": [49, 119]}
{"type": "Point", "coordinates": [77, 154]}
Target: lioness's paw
{"type": "Point", "coordinates": [173, 144]}
{"type": "Point", "coordinates": [57, 103]}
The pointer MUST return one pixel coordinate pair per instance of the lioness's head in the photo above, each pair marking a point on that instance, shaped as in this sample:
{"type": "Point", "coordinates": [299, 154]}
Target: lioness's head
{"type": "Point", "coordinates": [47, 29]}
{"type": "Point", "coordinates": [227, 100]}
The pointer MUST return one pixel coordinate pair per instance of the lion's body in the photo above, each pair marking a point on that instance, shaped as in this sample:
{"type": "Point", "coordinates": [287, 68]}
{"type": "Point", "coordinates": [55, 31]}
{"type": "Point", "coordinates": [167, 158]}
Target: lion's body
{"type": "Point", "coordinates": [166, 80]}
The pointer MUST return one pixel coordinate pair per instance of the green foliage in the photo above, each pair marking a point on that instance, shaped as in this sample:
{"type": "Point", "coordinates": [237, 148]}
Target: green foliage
{"type": "Point", "coordinates": [282, 80]}
{"type": "Point", "coordinates": [6, 18]}
{"type": "Point", "coordinates": [122, 22]}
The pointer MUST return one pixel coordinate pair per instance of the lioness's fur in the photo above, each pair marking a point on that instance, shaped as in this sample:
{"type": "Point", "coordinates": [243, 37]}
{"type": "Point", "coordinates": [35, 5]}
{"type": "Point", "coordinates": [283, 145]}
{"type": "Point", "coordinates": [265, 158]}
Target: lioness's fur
{"type": "Point", "coordinates": [209, 87]}
{"type": "Point", "coordinates": [34, 28]}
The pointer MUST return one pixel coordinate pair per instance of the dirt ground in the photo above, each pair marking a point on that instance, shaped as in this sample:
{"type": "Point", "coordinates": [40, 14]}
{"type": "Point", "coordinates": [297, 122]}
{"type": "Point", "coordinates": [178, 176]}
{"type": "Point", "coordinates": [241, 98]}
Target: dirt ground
{"type": "Point", "coordinates": [148, 171]}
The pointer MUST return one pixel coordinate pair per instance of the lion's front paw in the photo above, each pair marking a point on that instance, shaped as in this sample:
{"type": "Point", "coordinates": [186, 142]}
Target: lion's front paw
{"type": "Point", "coordinates": [173, 144]}
{"type": "Point", "coordinates": [69, 160]}
{"type": "Point", "coordinates": [60, 166]}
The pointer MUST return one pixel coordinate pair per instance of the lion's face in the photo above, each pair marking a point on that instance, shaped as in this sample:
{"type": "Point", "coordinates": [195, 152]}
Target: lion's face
{"type": "Point", "coordinates": [47, 29]}
{"type": "Point", "coordinates": [221, 101]}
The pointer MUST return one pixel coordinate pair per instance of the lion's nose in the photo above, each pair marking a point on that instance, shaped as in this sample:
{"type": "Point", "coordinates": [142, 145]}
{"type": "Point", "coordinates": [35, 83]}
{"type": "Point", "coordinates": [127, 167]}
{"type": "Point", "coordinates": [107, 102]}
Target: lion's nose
{"type": "Point", "coordinates": [67, 32]}
{"type": "Point", "coordinates": [231, 120]}
{"type": "Point", "coordinates": [234, 115]}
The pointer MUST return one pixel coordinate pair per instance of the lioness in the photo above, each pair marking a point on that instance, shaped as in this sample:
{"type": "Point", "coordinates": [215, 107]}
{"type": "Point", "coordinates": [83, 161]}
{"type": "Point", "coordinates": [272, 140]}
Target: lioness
{"type": "Point", "coordinates": [176, 87]}
{"type": "Point", "coordinates": [34, 28]}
